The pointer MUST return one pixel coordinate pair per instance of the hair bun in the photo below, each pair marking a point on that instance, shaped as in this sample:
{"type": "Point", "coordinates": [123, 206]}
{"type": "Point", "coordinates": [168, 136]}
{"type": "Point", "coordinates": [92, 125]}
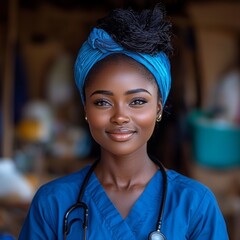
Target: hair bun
{"type": "Point", "coordinates": [147, 31]}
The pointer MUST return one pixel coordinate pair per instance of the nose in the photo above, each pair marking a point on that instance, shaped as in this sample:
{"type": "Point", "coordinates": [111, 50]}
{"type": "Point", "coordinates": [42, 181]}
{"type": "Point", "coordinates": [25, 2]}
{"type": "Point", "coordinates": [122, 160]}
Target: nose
{"type": "Point", "coordinates": [120, 116]}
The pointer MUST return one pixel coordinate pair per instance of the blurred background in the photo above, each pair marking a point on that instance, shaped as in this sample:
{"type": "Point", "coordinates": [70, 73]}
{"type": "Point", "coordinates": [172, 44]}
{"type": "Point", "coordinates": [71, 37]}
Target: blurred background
{"type": "Point", "coordinates": [43, 134]}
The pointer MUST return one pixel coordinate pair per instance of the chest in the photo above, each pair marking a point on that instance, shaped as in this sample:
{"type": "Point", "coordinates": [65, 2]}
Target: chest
{"type": "Point", "coordinates": [124, 199]}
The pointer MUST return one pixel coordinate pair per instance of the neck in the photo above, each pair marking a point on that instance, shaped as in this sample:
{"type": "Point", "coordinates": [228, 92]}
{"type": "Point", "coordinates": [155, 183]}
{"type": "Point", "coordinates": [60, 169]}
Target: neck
{"type": "Point", "coordinates": [125, 171]}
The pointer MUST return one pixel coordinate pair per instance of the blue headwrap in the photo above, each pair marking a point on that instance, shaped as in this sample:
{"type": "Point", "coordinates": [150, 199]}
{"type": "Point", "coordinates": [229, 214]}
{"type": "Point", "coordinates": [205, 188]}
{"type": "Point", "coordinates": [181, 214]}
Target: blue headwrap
{"type": "Point", "coordinates": [99, 45]}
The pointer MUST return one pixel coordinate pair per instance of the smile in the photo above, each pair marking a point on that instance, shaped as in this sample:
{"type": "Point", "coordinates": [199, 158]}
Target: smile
{"type": "Point", "coordinates": [120, 135]}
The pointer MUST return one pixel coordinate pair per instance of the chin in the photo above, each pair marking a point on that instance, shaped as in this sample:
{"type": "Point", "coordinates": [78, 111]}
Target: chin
{"type": "Point", "coordinates": [124, 149]}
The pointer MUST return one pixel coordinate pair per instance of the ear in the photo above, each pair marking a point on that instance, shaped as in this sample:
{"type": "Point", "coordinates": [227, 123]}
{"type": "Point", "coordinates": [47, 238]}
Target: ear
{"type": "Point", "coordinates": [159, 107]}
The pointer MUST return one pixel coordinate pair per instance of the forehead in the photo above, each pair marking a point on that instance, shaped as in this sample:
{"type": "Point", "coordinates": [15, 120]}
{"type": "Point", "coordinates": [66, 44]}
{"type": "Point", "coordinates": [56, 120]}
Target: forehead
{"type": "Point", "coordinates": [118, 75]}
{"type": "Point", "coordinates": [120, 70]}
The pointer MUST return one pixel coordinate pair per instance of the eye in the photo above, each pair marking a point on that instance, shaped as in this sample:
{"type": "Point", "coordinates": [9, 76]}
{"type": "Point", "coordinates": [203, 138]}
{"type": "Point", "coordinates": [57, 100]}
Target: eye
{"type": "Point", "coordinates": [102, 103]}
{"type": "Point", "coordinates": [138, 101]}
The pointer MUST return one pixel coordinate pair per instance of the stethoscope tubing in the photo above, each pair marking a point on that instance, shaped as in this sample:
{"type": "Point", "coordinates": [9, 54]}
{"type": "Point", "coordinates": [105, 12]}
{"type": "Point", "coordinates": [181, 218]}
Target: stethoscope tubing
{"type": "Point", "coordinates": [81, 204]}
{"type": "Point", "coordinates": [164, 192]}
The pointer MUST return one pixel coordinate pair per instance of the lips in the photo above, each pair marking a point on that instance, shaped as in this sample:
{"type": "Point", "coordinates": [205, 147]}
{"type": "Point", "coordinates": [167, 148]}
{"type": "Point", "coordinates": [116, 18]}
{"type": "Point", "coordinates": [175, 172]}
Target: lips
{"type": "Point", "coordinates": [121, 134]}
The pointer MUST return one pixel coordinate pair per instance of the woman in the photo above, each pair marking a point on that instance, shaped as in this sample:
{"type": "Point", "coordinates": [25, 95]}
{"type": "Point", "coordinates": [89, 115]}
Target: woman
{"type": "Point", "coordinates": [123, 75]}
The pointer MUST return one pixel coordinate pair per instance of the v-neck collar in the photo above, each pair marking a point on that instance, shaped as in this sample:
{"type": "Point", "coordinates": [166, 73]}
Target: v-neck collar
{"type": "Point", "coordinates": [127, 228]}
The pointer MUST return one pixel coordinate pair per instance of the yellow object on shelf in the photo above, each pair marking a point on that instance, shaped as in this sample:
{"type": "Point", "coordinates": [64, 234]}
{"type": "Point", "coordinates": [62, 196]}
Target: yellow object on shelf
{"type": "Point", "coordinates": [30, 130]}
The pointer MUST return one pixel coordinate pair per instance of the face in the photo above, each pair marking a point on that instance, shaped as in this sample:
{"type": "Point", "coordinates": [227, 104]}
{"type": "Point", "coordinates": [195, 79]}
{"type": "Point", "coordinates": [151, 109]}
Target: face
{"type": "Point", "coordinates": [121, 107]}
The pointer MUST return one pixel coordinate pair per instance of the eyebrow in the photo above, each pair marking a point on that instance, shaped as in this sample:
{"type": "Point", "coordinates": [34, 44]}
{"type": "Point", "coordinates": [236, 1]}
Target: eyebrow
{"type": "Point", "coordinates": [109, 93]}
{"type": "Point", "coordinates": [103, 92]}
{"type": "Point", "coordinates": [137, 90]}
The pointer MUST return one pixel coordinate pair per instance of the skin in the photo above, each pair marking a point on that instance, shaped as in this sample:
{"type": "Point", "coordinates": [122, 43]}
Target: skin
{"type": "Point", "coordinates": [121, 109]}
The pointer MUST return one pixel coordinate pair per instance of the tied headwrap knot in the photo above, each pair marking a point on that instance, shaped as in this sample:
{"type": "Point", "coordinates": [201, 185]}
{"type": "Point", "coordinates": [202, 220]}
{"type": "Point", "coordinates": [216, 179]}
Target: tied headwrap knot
{"type": "Point", "coordinates": [101, 40]}
{"type": "Point", "coordinates": [100, 44]}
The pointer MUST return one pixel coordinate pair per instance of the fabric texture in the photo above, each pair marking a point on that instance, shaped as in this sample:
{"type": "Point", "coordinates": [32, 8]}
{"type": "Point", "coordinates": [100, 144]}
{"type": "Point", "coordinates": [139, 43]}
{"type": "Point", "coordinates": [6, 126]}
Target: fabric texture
{"type": "Point", "coordinates": [191, 211]}
{"type": "Point", "coordinates": [99, 45]}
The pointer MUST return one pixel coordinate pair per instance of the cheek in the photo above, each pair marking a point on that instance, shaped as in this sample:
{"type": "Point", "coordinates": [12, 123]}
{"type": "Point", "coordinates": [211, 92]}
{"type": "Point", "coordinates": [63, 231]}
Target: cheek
{"type": "Point", "coordinates": [96, 122]}
{"type": "Point", "coordinates": [146, 120]}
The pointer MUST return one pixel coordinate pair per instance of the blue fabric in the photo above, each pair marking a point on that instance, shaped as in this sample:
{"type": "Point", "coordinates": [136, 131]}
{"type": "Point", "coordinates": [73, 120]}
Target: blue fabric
{"type": "Point", "coordinates": [6, 237]}
{"type": "Point", "coordinates": [191, 211]}
{"type": "Point", "coordinates": [100, 44]}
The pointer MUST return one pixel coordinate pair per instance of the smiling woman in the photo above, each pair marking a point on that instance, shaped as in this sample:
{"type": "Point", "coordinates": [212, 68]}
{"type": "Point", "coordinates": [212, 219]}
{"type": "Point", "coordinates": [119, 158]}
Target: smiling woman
{"type": "Point", "coordinates": [123, 74]}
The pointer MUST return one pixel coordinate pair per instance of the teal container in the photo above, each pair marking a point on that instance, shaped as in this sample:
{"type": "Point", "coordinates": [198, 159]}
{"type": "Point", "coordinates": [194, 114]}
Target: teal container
{"type": "Point", "coordinates": [214, 144]}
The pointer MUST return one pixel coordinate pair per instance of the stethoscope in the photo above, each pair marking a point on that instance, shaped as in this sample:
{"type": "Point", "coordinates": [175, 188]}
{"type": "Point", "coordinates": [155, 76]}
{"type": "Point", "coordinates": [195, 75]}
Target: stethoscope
{"type": "Point", "coordinates": [155, 235]}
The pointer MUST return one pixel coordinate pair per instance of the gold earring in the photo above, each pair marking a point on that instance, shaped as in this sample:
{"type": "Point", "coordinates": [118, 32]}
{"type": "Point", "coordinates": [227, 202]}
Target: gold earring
{"type": "Point", "coordinates": [159, 117]}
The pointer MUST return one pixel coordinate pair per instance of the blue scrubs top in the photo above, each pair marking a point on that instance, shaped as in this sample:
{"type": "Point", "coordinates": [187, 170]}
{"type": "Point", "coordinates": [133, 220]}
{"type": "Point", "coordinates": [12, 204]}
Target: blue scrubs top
{"type": "Point", "coordinates": [191, 211]}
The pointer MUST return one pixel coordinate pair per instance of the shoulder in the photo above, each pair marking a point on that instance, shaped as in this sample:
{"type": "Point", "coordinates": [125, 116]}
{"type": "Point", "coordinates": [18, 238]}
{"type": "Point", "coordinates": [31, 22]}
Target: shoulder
{"type": "Point", "coordinates": [183, 184]}
{"type": "Point", "coordinates": [50, 204]}
{"type": "Point", "coordinates": [197, 206]}
{"type": "Point", "coordinates": [190, 196]}
{"type": "Point", "coordinates": [65, 186]}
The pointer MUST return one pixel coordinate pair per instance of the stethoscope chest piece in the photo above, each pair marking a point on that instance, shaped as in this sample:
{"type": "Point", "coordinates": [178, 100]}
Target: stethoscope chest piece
{"type": "Point", "coordinates": [156, 235]}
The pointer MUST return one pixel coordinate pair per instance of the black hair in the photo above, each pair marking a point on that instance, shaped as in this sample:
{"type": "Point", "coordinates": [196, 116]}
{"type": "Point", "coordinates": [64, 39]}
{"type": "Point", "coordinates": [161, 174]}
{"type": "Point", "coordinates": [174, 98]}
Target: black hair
{"type": "Point", "coordinates": [147, 31]}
